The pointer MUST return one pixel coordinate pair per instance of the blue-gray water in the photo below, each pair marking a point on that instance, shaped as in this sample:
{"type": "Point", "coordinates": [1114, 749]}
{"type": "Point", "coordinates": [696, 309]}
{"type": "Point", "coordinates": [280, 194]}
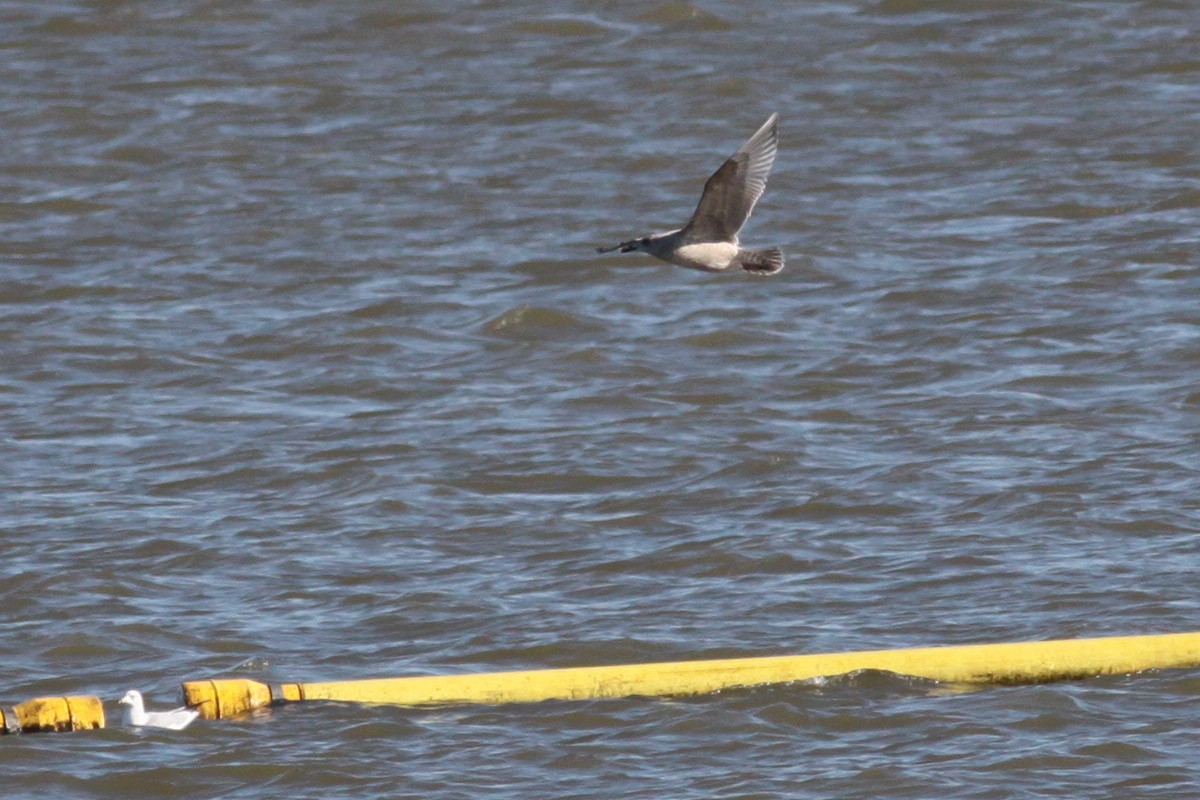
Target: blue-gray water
{"type": "Point", "coordinates": [308, 363]}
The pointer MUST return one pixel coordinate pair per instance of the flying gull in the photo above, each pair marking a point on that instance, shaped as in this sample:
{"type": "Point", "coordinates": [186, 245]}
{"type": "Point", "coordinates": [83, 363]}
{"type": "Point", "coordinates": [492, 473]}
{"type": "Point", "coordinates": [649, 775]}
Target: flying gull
{"type": "Point", "coordinates": [709, 241]}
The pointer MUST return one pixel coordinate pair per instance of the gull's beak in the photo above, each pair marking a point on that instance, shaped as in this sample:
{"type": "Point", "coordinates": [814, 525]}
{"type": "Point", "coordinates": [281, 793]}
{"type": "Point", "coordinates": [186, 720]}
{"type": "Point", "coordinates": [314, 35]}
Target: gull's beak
{"type": "Point", "coordinates": [624, 247]}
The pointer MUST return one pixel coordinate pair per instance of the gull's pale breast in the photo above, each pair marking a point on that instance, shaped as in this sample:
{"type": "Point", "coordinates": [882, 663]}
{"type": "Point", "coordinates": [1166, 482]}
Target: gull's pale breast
{"type": "Point", "coordinates": [707, 256]}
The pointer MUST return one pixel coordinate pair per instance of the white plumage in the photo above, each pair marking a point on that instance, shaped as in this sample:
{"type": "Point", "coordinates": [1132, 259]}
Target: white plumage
{"type": "Point", "coordinates": [137, 715]}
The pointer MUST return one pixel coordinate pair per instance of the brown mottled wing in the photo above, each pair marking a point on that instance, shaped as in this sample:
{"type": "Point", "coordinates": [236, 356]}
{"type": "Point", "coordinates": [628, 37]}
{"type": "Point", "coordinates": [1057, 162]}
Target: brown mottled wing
{"type": "Point", "coordinates": [731, 192]}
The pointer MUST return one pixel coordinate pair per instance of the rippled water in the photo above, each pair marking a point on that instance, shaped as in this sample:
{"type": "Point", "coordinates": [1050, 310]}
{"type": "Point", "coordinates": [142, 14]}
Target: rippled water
{"type": "Point", "coordinates": [308, 360]}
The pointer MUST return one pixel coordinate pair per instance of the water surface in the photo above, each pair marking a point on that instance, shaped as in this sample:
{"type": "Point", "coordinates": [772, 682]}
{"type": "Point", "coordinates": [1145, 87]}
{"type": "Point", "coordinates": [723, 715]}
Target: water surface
{"type": "Point", "coordinates": [309, 366]}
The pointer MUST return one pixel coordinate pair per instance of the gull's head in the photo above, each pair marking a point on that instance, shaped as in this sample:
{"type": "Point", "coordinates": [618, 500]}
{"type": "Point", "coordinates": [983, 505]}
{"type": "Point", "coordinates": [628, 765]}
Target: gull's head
{"type": "Point", "coordinates": [132, 698]}
{"type": "Point", "coordinates": [631, 246]}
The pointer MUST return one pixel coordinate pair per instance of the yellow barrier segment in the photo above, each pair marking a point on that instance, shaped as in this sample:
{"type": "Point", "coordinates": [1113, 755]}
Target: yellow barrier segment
{"type": "Point", "coordinates": [223, 698]}
{"type": "Point", "coordinates": [74, 713]}
{"type": "Point", "coordinates": [1010, 663]}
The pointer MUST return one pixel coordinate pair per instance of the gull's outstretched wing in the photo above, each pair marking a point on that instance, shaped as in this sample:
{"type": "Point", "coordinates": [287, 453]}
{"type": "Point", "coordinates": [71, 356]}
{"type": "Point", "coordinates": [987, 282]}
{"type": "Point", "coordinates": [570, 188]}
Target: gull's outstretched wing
{"type": "Point", "coordinates": [731, 192]}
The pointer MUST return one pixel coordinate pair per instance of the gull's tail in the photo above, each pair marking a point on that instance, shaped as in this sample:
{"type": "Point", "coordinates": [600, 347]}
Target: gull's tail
{"type": "Point", "coordinates": [761, 262]}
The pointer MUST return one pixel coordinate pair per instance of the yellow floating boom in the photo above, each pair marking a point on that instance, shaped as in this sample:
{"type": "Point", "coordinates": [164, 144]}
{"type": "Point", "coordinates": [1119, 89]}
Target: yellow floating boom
{"type": "Point", "coordinates": [1012, 663]}
{"type": "Point", "coordinates": [74, 713]}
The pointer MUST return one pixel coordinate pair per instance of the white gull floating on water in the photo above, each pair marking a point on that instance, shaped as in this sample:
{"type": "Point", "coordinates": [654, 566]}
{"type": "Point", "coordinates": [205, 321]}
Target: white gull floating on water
{"type": "Point", "coordinates": [709, 241]}
{"type": "Point", "coordinates": [137, 715]}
